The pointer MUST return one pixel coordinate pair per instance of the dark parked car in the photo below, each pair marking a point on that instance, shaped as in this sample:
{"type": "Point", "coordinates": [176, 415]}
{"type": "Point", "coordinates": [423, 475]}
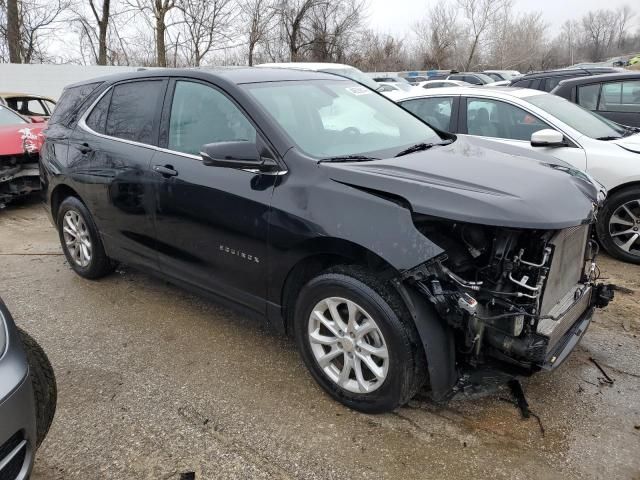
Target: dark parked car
{"type": "Point", "coordinates": [391, 252]}
{"type": "Point", "coordinates": [615, 96]}
{"type": "Point", "coordinates": [27, 398]}
{"type": "Point", "coordinates": [472, 78]}
{"type": "Point", "coordinates": [416, 79]}
{"type": "Point", "coordinates": [548, 80]}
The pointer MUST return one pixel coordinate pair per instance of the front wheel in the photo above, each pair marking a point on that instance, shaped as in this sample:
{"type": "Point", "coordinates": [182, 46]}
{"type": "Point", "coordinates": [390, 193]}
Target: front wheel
{"type": "Point", "coordinates": [618, 225]}
{"type": "Point", "coordinates": [358, 340]}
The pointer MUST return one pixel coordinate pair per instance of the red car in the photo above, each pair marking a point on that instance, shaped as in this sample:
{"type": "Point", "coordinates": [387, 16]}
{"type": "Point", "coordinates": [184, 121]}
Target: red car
{"type": "Point", "coordinates": [20, 143]}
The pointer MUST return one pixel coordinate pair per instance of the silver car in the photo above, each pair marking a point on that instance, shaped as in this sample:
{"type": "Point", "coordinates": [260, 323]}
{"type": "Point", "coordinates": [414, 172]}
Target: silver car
{"type": "Point", "coordinates": [27, 398]}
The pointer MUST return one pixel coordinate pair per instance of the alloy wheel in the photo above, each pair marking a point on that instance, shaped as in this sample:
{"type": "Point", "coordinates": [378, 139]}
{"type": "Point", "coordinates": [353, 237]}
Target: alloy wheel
{"type": "Point", "coordinates": [76, 238]}
{"type": "Point", "coordinates": [348, 345]}
{"type": "Point", "coordinates": [624, 227]}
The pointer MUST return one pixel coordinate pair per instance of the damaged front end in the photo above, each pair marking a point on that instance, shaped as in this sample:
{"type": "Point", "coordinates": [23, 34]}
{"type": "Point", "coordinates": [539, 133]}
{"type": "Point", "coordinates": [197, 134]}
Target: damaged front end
{"type": "Point", "coordinates": [19, 157]}
{"type": "Point", "coordinates": [517, 300]}
{"type": "Point", "coordinates": [19, 175]}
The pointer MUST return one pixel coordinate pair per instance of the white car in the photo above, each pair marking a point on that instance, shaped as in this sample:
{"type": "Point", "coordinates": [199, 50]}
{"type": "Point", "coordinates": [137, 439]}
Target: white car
{"type": "Point", "coordinates": [543, 122]}
{"type": "Point", "coordinates": [336, 68]}
{"type": "Point", "coordinates": [442, 83]}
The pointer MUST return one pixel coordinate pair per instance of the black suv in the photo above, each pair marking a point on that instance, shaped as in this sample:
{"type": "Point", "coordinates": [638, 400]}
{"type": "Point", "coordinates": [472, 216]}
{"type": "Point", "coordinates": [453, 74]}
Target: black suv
{"type": "Point", "coordinates": [615, 96]}
{"type": "Point", "coordinates": [392, 252]}
{"type": "Point", "coordinates": [548, 80]}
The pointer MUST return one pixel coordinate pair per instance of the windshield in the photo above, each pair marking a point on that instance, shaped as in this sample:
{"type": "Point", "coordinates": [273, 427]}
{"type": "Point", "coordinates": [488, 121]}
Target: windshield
{"type": "Point", "coordinates": [7, 117]}
{"type": "Point", "coordinates": [353, 74]}
{"type": "Point", "coordinates": [484, 78]}
{"type": "Point", "coordinates": [339, 118]}
{"type": "Point", "coordinates": [584, 121]}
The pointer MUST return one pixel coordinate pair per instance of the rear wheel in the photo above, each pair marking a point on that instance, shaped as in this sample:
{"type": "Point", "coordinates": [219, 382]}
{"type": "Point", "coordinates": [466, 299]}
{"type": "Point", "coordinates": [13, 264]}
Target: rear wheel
{"type": "Point", "coordinates": [619, 225]}
{"type": "Point", "coordinates": [43, 380]}
{"type": "Point", "coordinates": [80, 240]}
{"type": "Point", "coordinates": [358, 340]}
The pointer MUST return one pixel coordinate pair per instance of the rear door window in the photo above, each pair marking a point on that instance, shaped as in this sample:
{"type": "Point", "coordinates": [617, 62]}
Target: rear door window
{"type": "Point", "coordinates": [588, 96]}
{"type": "Point", "coordinates": [620, 97]}
{"type": "Point", "coordinates": [435, 111]}
{"type": "Point", "coordinates": [133, 110]}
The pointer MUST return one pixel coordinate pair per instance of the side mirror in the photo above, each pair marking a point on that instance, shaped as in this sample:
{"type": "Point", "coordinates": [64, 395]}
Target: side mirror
{"type": "Point", "coordinates": [547, 138]}
{"type": "Point", "coordinates": [237, 154]}
{"type": "Point", "coordinates": [38, 119]}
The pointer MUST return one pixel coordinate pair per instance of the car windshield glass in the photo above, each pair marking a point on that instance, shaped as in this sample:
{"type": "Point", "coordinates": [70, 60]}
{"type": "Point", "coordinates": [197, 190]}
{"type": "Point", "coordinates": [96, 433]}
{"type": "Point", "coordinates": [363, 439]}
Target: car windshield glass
{"type": "Point", "coordinates": [7, 117]}
{"type": "Point", "coordinates": [354, 74]}
{"type": "Point", "coordinates": [586, 122]}
{"type": "Point", "coordinates": [338, 118]}
{"type": "Point", "coordinates": [484, 78]}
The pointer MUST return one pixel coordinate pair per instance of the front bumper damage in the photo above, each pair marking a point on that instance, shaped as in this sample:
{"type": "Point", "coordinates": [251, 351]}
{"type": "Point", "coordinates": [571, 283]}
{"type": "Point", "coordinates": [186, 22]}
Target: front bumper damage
{"type": "Point", "coordinates": [19, 176]}
{"type": "Point", "coordinates": [528, 320]}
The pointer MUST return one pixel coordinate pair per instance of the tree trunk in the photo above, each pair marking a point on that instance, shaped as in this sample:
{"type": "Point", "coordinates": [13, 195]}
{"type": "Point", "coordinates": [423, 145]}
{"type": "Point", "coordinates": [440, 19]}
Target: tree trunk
{"type": "Point", "coordinates": [161, 49]}
{"type": "Point", "coordinates": [103, 27]}
{"type": "Point", "coordinates": [13, 31]}
{"type": "Point", "coordinates": [471, 54]}
{"type": "Point", "coordinates": [251, 48]}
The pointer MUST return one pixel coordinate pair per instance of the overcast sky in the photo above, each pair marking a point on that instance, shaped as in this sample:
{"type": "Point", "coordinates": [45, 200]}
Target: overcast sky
{"type": "Point", "coordinates": [396, 16]}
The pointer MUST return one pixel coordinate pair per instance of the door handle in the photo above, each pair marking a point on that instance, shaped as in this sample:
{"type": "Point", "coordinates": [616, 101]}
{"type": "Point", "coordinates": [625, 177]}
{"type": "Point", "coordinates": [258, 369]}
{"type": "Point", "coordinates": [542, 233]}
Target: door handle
{"type": "Point", "coordinates": [84, 148]}
{"type": "Point", "coordinates": [165, 170]}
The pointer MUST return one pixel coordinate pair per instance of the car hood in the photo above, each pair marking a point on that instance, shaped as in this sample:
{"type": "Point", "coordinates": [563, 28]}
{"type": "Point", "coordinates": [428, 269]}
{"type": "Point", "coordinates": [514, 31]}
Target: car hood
{"type": "Point", "coordinates": [479, 181]}
{"type": "Point", "coordinates": [631, 143]}
{"type": "Point", "coordinates": [21, 138]}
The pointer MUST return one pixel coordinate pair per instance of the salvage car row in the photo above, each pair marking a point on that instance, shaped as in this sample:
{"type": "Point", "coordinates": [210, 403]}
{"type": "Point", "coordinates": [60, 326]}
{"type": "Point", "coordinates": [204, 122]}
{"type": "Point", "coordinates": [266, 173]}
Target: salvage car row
{"type": "Point", "coordinates": [397, 248]}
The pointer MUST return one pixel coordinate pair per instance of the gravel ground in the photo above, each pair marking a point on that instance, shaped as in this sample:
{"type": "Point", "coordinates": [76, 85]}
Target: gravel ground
{"type": "Point", "coordinates": [155, 382]}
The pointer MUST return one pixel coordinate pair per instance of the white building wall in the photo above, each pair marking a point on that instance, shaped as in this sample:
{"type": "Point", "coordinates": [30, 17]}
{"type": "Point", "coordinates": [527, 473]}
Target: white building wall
{"type": "Point", "coordinates": [49, 80]}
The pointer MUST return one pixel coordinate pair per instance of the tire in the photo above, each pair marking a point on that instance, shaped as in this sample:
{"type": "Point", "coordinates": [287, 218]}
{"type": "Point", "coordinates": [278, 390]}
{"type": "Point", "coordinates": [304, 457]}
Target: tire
{"type": "Point", "coordinates": [93, 265]}
{"type": "Point", "coordinates": [614, 208]}
{"type": "Point", "coordinates": [43, 381]}
{"type": "Point", "coordinates": [404, 370]}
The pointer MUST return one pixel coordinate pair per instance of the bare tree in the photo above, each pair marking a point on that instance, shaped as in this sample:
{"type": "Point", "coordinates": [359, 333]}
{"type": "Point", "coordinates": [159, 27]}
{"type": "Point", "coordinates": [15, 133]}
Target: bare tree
{"type": "Point", "coordinates": [600, 30]}
{"type": "Point", "coordinates": [437, 34]}
{"type": "Point", "coordinates": [258, 16]}
{"type": "Point", "coordinates": [624, 17]}
{"type": "Point", "coordinates": [480, 15]}
{"type": "Point", "coordinates": [293, 17]}
{"type": "Point", "coordinates": [159, 11]}
{"type": "Point", "coordinates": [333, 26]}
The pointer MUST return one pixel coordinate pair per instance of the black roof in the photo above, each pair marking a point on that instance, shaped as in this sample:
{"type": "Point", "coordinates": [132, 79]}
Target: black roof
{"type": "Point", "coordinates": [606, 77]}
{"type": "Point", "coordinates": [569, 72]}
{"type": "Point", "coordinates": [235, 75]}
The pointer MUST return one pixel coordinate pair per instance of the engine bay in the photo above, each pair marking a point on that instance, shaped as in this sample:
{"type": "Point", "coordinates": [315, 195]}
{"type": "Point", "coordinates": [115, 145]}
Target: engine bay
{"type": "Point", "coordinates": [509, 294]}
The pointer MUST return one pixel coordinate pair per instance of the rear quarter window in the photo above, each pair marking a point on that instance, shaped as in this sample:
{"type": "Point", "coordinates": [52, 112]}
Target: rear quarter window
{"type": "Point", "coordinates": [70, 102]}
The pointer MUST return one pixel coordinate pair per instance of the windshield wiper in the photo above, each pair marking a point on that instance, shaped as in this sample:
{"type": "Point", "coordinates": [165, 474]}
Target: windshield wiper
{"type": "Point", "coordinates": [610, 137]}
{"type": "Point", "coordinates": [348, 158]}
{"type": "Point", "coordinates": [419, 147]}
{"type": "Point", "coordinates": [631, 131]}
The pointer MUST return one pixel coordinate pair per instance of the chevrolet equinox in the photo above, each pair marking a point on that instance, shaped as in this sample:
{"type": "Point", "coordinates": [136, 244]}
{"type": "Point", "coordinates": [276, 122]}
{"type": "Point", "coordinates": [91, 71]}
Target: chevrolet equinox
{"type": "Point", "coordinates": [396, 255]}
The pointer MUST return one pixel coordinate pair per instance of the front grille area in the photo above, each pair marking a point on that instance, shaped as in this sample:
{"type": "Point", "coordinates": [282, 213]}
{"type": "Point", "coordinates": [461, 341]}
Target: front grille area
{"type": "Point", "coordinates": [564, 297]}
{"type": "Point", "coordinates": [12, 461]}
{"type": "Point", "coordinates": [567, 265]}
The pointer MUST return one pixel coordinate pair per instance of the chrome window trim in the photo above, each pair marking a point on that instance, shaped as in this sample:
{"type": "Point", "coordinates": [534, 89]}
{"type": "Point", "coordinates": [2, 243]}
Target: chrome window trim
{"type": "Point", "coordinates": [83, 125]}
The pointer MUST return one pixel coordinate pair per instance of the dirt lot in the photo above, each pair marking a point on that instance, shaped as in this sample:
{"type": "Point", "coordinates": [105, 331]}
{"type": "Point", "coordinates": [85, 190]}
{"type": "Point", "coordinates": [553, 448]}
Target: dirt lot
{"type": "Point", "coordinates": [154, 382]}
